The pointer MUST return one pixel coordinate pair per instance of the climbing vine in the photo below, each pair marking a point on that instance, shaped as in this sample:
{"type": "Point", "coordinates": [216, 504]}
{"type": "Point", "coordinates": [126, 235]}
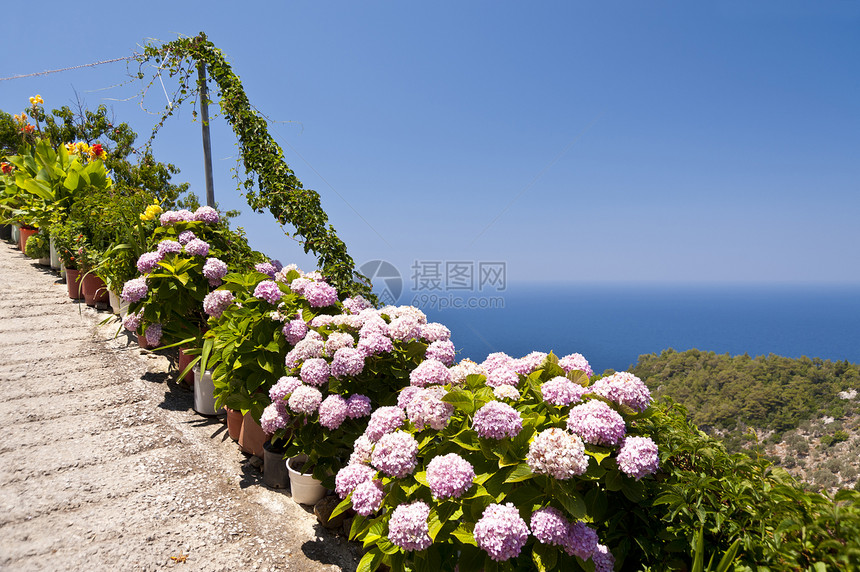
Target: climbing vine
{"type": "Point", "coordinates": [268, 181]}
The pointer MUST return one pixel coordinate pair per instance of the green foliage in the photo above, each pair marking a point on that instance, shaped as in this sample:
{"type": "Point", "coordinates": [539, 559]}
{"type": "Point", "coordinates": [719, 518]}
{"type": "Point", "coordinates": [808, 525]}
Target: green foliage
{"type": "Point", "coordinates": [767, 392]}
{"type": "Point", "coordinates": [278, 189]}
{"type": "Point", "coordinates": [837, 437]}
{"type": "Point", "coordinates": [37, 246]}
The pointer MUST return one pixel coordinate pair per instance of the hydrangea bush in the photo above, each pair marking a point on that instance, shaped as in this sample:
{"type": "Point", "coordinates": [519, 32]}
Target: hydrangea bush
{"type": "Point", "coordinates": [505, 465]}
{"type": "Point", "coordinates": [189, 255]}
{"type": "Point", "coordinates": [345, 360]}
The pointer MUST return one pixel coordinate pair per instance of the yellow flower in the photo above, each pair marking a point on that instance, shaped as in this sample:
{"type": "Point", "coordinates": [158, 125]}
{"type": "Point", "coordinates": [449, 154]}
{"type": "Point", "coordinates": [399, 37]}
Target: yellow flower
{"type": "Point", "coordinates": [82, 147]}
{"type": "Point", "coordinates": [151, 212]}
{"type": "Point", "coordinates": [36, 100]}
{"type": "Point", "coordinates": [71, 148]}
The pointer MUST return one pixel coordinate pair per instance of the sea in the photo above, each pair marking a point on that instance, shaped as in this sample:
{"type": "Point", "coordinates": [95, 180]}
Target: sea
{"type": "Point", "coordinates": [612, 324]}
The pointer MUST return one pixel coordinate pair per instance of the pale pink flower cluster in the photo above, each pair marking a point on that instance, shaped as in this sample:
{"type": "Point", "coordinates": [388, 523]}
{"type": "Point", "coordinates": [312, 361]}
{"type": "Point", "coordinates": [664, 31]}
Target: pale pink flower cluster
{"type": "Point", "coordinates": [506, 392]}
{"type": "Point", "coordinates": [337, 340]}
{"type": "Point", "coordinates": [527, 364]}
{"type": "Point", "coordinates": [497, 420]}
{"type": "Point", "coordinates": [315, 371]}
{"type": "Point", "coordinates": [465, 368]}
{"type": "Point", "coordinates": [215, 302]}
{"type": "Point", "coordinates": [430, 372]}
{"type": "Point", "coordinates": [274, 417]}
{"type": "Point", "coordinates": [435, 332]}
{"type": "Point", "coordinates": [575, 362]}
{"type": "Point", "coordinates": [214, 270]}
{"type": "Point", "coordinates": [268, 290]}
{"type": "Point", "coordinates": [356, 304]}
{"type": "Point", "coordinates": [384, 420]}
{"type": "Point", "coordinates": [502, 375]}
{"type": "Point", "coordinates": [395, 454]}
{"type": "Point", "coordinates": [408, 526]}
{"type": "Point", "coordinates": [638, 457]}
{"type": "Point", "coordinates": [557, 453]}
{"type": "Point", "coordinates": [350, 477]}
{"type": "Point", "coordinates": [332, 411]}
{"type": "Point", "coordinates": [357, 406]}
{"type": "Point", "coordinates": [624, 388]}
{"type": "Point", "coordinates": [320, 294]}
{"type": "Point", "coordinates": [449, 476]}
{"type": "Point", "coordinates": [596, 423]}
{"type": "Point", "coordinates": [404, 329]}
{"type": "Point", "coordinates": [305, 349]}
{"type": "Point", "coordinates": [295, 330]}
{"type": "Point", "coordinates": [367, 497]}
{"type": "Point", "coordinates": [426, 408]}
{"type": "Point", "coordinates": [134, 290]}
{"type": "Point", "coordinates": [561, 391]}
{"type": "Point", "coordinates": [442, 350]}
{"type": "Point", "coordinates": [284, 387]}
{"type": "Point", "coordinates": [305, 399]}
{"type": "Point", "coordinates": [501, 532]}
{"type": "Point", "coordinates": [347, 362]}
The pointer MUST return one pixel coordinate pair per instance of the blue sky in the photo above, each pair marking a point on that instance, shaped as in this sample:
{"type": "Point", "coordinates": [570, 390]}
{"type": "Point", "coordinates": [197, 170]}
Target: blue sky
{"type": "Point", "coordinates": [575, 141]}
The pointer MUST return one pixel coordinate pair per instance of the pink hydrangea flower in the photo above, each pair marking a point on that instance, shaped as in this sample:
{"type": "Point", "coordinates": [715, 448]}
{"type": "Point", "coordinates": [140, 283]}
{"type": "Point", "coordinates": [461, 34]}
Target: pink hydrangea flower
{"type": "Point", "coordinates": [197, 247]}
{"type": "Point", "coordinates": [596, 423]}
{"type": "Point", "coordinates": [347, 362]}
{"type": "Point", "coordinates": [206, 214]}
{"type": "Point", "coordinates": [502, 375]}
{"type": "Point", "coordinates": [358, 406]}
{"type": "Point", "coordinates": [581, 541]}
{"type": "Point", "coordinates": [406, 396]}
{"type": "Point", "coordinates": [131, 322]}
{"type": "Point", "coordinates": [549, 526]}
{"type": "Point", "coordinates": [186, 236]}
{"type": "Point", "coordinates": [284, 387]}
{"type": "Point", "coordinates": [153, 334]}
{"type": "Point", "coordinates": [315, 371]}
{"type": "Point", "coordinates": [603, 559]}
{"type": "Point", "coordinates": [496, 360]}
{"type": "Point", "coordinates": [557, 453]}
{"type": "Point", "coordinates": [408, 526]}
{"type": "Point", "coordinates": [506, 392]}
{"type": "Point", "coordinates": [320, 295]}
{"type": "Point", "coordinates": [305, 399]}
{"type": "Point", "coordinates": [430, 372]}
{"type": "Point", "coordinates": [575, 362]}
{"type": "Point", "coordinates": [214, 270]}
{"type": "Point", "coordinates": [168, 247]}
{"type": "Point", "coordinates": [384, 420]}
{"type": "Point", "coordinates": [268, 290]}
{"type": "Point", "coordinates": [375, 344]}
{"type": "Point", "coordinates": [624, 388]}
{"type": "Point", "coordinates": [350, 477]}
{"type": "Point", "coordinates": [215, 302]}
{"type": "Point", "coordinates": [497, 420]}
{"type": "Point", "coordinates": [527, 364]}
{"type": "Point", "coordinates": [638, 457]}
{"type": "Point", "coordinates": [337, 340]}
{"type": "Point", "coordinates": [295, 331]}
{"type": "Point", "coordinates": [305, 349]}
{"type": "Point", "coordinates": [367, 497]}
{"type": "Point", "coordinates": [274, 417]}
{"type": "Point", "coordinates": [501, 532]}
{"type": "Point", "coordinates": [426, 408]}
{"type": "Point", "coordinates": [356, 304]}
{"type": "Point", "coordinates": [395, 454]}
{"type": "Point", "coordinates": [442, 350]}
{"type": "Point", "coordinates": [266, 268]}
{"type": "Point", "coordinates": [332, 411]}
{"type": "Point", "coordinates": [135, 290]}
{"type": "Point", "coordinates": [561, 391]}
{"type": "Point", "coordinates": [449, 476]}
{"type": "Point", "coordinates": [148, 261]}
{"type": "Point", "coordinates": [435, 332]}
{"type": "Point", "coordinates": [404, 329]}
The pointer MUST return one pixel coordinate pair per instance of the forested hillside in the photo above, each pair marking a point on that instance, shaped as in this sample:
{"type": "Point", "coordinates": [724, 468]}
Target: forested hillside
{"type": "Point", "coordinates": [801, 413]}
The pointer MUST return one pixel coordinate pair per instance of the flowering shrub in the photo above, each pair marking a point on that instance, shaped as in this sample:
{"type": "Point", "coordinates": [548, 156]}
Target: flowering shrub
{"type": "Point", "coordinates": [183, 264]}
{"type": "Point", "coordinates": [511, 482]}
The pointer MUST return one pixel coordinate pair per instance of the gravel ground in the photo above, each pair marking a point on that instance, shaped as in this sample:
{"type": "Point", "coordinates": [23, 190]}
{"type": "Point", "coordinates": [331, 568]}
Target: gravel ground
{"type": "Point", "coordinates": [105, 466]}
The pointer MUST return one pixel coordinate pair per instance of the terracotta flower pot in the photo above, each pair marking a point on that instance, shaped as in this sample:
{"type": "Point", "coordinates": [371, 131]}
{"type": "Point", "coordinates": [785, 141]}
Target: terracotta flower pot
{"type": "Point", "coordinates": [251, 437]}
{"type": "Point", "coordinates": [234, 423]}
{"type": "Point", "coordinates": [73, 281]}
{"type": "Point", "coordinates": [184, 360]}
{"type": "Point", "coordinates": [95, 290]}
{"type": "Point", "coordinates": [26, 233]}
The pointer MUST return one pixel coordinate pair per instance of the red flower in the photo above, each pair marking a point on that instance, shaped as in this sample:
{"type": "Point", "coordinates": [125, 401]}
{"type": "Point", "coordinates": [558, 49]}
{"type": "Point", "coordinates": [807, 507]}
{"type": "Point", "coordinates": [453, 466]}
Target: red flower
{"type": "Point", "coordinates": [97, 150]}
{"type": "Point", "coordinates": [6, 167]}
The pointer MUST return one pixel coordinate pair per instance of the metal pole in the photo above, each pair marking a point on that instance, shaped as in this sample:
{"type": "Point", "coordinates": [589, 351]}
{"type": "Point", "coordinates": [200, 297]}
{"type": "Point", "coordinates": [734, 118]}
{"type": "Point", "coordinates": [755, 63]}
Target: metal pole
{"type": "Point", "coordinates": [204, 119]}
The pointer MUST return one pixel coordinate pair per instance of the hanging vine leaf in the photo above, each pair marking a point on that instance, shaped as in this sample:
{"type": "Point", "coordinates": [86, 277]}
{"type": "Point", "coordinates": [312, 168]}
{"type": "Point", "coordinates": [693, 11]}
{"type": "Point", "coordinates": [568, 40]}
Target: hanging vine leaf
{"type": "Point", "coordinates": [269, 182]}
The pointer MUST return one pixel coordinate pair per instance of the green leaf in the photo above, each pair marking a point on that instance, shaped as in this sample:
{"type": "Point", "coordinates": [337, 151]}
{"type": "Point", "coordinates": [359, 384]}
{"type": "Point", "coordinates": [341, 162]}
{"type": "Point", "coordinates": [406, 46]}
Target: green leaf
{"type": "Point", "coordinates": [464, 535]}
{"type": "Point", "coordinates": [461, 399]}
{"type": "Point", "coordinates": [370, 561]}
{"type": "Point", "coordinates": [521, 472]}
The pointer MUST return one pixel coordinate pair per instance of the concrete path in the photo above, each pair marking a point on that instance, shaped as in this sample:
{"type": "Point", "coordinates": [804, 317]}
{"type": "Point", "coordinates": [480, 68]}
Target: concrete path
{"type": "Point", "coordinates": [105, 466]}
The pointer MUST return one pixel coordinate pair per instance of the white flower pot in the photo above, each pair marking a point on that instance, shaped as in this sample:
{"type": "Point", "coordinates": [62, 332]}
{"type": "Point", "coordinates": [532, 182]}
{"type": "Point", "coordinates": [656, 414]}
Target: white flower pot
{"type": "Point", "coordinates": [303, 486]}
{"type": "Point", "coordinates": [118, 305]}
{"type": "Point", "coordinates": [204, 400]}
{"type": "Point", "coordinates": [54, 255]}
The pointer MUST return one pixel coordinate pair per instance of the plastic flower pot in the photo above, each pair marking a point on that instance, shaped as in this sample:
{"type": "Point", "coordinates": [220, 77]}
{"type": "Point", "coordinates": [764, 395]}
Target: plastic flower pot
{"type": "Point", "coordinates": [303, 486]}
{"type": "Point", "coordinates": [204, 401]}
{"type": "Point", "coordinates": [275, 473]}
